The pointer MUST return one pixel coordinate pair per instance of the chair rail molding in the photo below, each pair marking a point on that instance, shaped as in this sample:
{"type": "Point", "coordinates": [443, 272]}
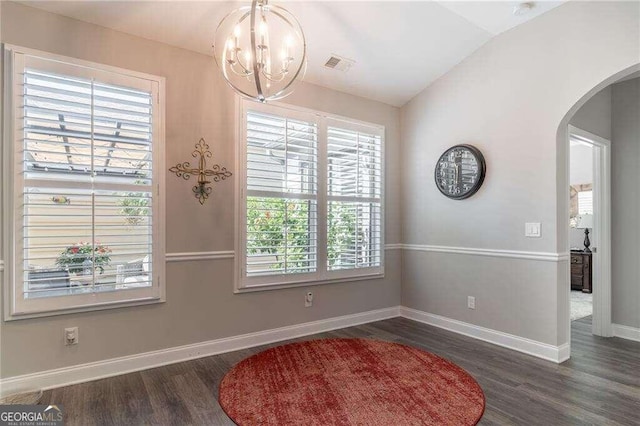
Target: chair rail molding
{"type": "Point", "coordinates": [200, 255]}
{"type": "Point", "coordinates": [220, 254]}
{"type": "Point", "coordinates": [512, 254]}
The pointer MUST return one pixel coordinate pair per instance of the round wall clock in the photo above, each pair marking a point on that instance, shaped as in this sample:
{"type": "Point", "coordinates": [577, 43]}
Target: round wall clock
{"type": "Point", "coordinates": [460, 171]}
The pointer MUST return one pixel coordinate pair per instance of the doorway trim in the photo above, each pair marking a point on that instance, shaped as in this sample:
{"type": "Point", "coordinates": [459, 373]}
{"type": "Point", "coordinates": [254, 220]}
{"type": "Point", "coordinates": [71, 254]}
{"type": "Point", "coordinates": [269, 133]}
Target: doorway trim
{"type": "Point", "coordinates": [601, 317]}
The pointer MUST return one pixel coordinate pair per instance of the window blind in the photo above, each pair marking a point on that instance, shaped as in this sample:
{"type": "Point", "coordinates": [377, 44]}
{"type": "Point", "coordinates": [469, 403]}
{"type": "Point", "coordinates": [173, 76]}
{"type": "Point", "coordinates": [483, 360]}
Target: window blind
{"type": "Point", "coordinates": [354, 211]}
{"type": "Point", "coordinates": [312, 198]}
{"type": "Point", "coordinates": [585, 202]}
{"type": "Point", "coordinates": [87, 179]}
{"type": "Point", "coordinates": [282, 188]}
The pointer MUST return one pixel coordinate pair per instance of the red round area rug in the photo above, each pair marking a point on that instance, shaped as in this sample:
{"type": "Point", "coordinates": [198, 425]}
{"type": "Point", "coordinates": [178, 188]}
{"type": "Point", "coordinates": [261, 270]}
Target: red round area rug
{"type": "Point", "coordinates": [350, 382]}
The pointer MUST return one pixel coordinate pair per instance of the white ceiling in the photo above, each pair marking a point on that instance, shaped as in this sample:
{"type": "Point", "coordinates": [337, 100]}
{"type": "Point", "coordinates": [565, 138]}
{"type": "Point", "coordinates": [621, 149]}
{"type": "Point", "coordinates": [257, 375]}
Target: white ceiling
{"type": "Point", "coordinates": [400, 47]}
{"type": "Point", "coordinates": [496, 17]}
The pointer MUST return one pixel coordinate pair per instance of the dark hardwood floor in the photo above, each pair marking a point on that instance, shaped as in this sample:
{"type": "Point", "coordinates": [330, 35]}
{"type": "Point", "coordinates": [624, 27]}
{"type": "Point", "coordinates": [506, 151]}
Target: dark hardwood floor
{"type": "Point", "coordinates": [599, 385]}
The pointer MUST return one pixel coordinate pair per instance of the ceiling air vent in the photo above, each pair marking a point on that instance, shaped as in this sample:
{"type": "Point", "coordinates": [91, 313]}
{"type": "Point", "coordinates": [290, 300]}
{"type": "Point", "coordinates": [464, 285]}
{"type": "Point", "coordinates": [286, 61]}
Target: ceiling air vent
{"type": "Point", "coordinates": [339, 63]}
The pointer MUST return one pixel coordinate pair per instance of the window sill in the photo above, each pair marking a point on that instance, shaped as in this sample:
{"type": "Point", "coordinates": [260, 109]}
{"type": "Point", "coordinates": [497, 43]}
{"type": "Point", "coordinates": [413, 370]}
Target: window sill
{"type": "Point", "coordinates": [267, 287]}
{"type": "Point", "coordinates": [88, 308]}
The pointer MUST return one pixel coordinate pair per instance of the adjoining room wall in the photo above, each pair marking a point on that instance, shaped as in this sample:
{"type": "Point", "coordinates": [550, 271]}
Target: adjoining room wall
{"type": "Point", "coordinates": [581, 165]}
{"type": "Point", "coordinates": [508, 99]}
{"type": "Point", "coordinates": [625, 199]}
{"type": "Point", "coordinates": [580, 173]}
{"type": "Point", "coordinates": [595, 115]}
{"type": "Point", "coordinates": [200, 302]}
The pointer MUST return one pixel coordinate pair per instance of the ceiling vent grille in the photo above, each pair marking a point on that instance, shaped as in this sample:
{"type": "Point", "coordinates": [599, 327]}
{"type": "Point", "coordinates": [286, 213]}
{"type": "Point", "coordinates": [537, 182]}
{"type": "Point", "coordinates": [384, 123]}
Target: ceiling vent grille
{"type": "Point", "coordinates": [339, 63]}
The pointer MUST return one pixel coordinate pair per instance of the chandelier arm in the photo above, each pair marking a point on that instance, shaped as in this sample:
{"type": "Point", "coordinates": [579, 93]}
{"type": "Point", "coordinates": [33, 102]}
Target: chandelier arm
{"type": "Point", "coordinates": [244, 68]}
{"type": "Point", "coordinates": [245, 72]}
{"type": "Point", "coordinates": [285, 88]}
{"type": "Point", "coordinates": [238, 60]}
{"type": "Point", "coordinates": [254, 50]}
{"type": "Point", "coordinates": [242, 18]}
{"type": "Point", "coordinates": [270, 77]}
{"type": "Point", "coordinates": [276, 78]}
{"type": "Point", "coordinates": [223, 65]}
{"type": "Point", "coordinates": [304, 57]}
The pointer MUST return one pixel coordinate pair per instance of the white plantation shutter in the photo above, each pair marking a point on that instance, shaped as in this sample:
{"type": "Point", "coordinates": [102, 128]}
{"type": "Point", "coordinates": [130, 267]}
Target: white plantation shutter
{"type": "Point", "coordinates": [585, 202]}
{"type": "Point", "coordinates": [311, 198]}
{"type": "Point", "coordinates": [354, 175]}
{"type": "Point", "coordinates": [281, 185]}
{"type": "Point", "coordinates": [86, 147]}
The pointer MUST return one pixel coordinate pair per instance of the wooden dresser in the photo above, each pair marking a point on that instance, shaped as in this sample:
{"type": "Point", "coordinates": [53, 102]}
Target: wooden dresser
{"type": "Point", "coordinates": [581, 271]}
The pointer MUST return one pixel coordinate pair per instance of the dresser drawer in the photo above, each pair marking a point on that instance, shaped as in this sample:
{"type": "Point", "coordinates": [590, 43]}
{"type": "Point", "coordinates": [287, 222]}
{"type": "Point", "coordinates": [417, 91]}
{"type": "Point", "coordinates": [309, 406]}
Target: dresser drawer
{"type": "Point", "coordinates": [576, 282]}
{"type": "Point", "coordinates": [576, 270]}
{"type": "Point", "coordinates": [581, 271]}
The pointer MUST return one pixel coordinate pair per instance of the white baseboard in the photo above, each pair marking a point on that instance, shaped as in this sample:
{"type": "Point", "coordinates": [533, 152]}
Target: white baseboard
{"type": "Point", "coordinates": [564, 353]}
{"type": "Point", "coordinates": [626, 332]}
{"type": "Point", "coordinates": [556, 354]}
{"type": "Point", "coordinates": [116, 366]}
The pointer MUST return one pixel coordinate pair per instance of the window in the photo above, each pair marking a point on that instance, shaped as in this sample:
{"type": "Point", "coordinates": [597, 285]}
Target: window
{"type": "Point", "coordinates": [87, 161]}
{"type": "Point", "coordinates": [311, 200]}
{"type": "Point", "coordinates": [585, 202]}
{"type": "Point", "coordinates": [354, 209]}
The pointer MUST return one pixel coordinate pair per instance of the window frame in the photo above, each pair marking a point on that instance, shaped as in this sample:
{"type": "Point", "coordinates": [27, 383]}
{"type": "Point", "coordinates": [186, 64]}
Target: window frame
{"type": "Point", "coordinates": [13, 184]}
{"type": "Point", "coordinates": [323, 275]}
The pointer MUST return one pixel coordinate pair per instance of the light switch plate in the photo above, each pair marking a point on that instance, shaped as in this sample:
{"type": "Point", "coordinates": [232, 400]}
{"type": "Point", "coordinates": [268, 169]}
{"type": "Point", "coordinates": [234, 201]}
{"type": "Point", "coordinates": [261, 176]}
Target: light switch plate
{"type": "Point", "coordinates": [533, 230]}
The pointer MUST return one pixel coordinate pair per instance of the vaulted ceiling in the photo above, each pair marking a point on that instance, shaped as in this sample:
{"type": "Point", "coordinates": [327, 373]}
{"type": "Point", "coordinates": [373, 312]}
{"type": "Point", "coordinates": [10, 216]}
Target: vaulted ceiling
{"type": "Point", "coordinates": [399, 47]}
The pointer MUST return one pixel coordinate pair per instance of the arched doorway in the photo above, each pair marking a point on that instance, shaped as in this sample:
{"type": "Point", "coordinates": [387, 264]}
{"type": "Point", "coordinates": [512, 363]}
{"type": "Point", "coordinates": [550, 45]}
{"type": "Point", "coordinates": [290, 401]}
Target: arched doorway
{"type": "Point", "coordinates": [602, 300]}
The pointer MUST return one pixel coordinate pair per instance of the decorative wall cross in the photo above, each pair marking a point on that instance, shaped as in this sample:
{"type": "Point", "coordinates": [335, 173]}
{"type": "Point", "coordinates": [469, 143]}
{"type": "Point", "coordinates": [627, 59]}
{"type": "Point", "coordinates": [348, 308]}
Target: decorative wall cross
{"type": "Point", "coordinates": [217, 173]}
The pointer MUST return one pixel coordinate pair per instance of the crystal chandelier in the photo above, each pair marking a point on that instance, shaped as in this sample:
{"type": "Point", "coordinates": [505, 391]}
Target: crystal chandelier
{"type": "Point", "coordinates": [261, 51]}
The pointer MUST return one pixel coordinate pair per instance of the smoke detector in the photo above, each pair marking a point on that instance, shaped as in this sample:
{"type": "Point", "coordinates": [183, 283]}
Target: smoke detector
{"type": "Point", "coordinates": [523, 8]}
{"type": "Point", "coordinates": [339, 63]}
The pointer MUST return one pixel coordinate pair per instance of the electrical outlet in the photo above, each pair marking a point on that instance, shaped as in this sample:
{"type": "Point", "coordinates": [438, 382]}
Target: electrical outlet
{"type": "Point", "coordinates": [308, 300]}
{"type": "Point", "coordinates": [471, 302]}
{"type": "Point", "coordinates": [71, 336]}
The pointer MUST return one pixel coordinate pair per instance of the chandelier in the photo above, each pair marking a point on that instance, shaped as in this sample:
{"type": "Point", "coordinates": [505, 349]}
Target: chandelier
{"type": "Point", "coordinates": [261, 51]}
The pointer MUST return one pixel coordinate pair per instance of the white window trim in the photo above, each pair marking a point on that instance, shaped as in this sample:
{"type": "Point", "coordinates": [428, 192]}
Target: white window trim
{"type": "Point", "coordinates": [323, 275]}
{"type": "Point", "coordinates": [93, 301]}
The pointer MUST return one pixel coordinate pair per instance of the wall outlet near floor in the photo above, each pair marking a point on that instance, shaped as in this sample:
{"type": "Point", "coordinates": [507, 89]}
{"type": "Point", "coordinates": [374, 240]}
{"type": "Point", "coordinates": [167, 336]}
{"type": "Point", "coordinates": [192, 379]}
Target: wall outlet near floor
{"type": "Point", "coordinates": [308, 300]}
{"type": "Point", "coordinates": [71, 336]}
{"type": "Point", "coordinates": [471, 302]}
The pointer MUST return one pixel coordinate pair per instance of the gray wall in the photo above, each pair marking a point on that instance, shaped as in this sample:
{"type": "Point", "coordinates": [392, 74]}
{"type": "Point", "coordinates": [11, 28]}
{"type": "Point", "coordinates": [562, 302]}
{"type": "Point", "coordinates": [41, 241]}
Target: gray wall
{"type": "Point", "coordinates": [625, 198]}
{"type": "Point", "coordinates": [595, 115]}
{"type": "Point", "coordinates": [509, 99]}
{"type": "Point", "coordinates": [200, 303]}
